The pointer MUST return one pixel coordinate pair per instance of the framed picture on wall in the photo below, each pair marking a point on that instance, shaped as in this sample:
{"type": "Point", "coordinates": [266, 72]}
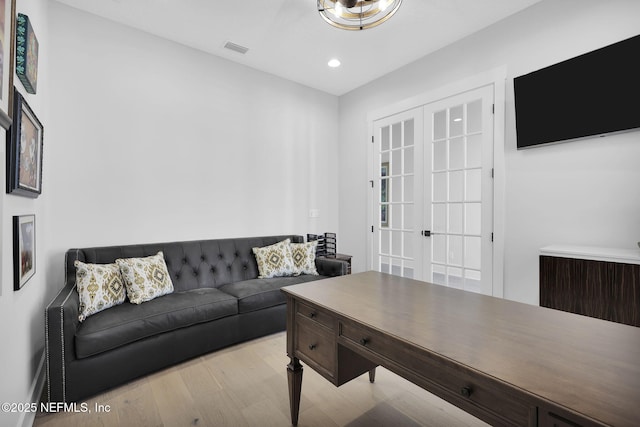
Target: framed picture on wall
{"type": "Point", "coordinates": [384, 195]}
{"type": "Point", "coordinates": [26, 53]}
{"type": "Point", "coordinates": [7, 14]}
{"type": "Point", "coordinates": [24, 249]}
{"type": "Point", "coordinates": [24, 150]}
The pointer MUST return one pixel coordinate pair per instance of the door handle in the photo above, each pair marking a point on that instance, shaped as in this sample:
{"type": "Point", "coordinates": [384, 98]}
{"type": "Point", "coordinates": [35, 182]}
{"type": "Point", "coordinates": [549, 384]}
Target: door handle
{"type": "Point", "coordinates": [426, 233]}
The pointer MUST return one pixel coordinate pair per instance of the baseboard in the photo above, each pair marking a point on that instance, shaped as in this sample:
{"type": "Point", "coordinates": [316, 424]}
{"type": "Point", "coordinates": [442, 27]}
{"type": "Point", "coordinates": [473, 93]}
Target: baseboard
{"type": "Point", "coordinates": [27, 418]}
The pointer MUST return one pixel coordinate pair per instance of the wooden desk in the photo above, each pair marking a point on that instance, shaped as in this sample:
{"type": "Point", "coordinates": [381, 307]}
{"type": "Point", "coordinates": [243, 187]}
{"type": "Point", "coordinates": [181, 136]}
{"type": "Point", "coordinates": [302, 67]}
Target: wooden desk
{"type": "Point", "coordinates": [506, 363]}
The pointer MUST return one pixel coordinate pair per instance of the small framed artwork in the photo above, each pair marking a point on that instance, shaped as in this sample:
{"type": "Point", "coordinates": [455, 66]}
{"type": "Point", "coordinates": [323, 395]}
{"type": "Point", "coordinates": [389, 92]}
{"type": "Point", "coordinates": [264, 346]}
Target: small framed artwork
{"type": "Point", "coordinates": [7, 12]}
{"type": "Point", "coordinates": [384, 195]}
{"type": "Point", "coordinates": [24, 150]}
{"type": "Point", "coordinates": [26, 54]}
{"type": "Point", "coordinates": [24, 249]}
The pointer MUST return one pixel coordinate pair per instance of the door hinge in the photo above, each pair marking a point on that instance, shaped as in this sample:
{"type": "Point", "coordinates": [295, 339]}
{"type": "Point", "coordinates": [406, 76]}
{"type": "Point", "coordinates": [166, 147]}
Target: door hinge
{"type": "Point", "coordinates": [492, 172]}
{"type": "Point", "coordinates": [372, 228]}
{"type": "Point", "coordinates": [372, 139]}
{"type": "Point", "coordinates": [492, 237]}
{"type": "Point", "coordinates": [493, 108]}
{"type": "Point", "coordinates": [371, 181]}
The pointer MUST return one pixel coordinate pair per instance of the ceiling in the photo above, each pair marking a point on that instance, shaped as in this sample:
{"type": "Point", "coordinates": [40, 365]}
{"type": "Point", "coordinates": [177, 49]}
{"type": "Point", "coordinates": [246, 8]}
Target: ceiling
{"type": "Point", "coordinates": [288, 38]}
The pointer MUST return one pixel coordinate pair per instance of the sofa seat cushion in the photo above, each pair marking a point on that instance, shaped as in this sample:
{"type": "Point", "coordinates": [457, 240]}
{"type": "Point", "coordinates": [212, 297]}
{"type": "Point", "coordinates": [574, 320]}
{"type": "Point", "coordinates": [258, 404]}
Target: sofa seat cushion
{"type": "Point", "coordinates": [256, 294]}
{"type": "Point", "coordinates": [126, 323]}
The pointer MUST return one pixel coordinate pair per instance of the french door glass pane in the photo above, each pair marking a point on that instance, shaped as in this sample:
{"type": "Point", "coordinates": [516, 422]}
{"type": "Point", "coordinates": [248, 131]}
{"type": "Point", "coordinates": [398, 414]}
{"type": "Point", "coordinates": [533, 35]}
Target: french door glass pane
{"type": "Point", "coordinates": [474, 116]}
{"type": "Point", "coordinates": [474, 185]}
{"type": "Point", "coordinates": [396, 137]}
{"type": "Point", "coordinates": [472, 252]}
{"type": "Point", "coordinates": [472, 281]}
{"type": "Point", "coordinates": [408, 189]}
{"type": "Point", "coordinates": [474, 151]}
{"type": "Point", "coordinates": [456, 153]}
{"type": "Point", "coordinates": [440, 125]}
{"type": "Point", "coordinates": [439, 193]}
{"type": "Point", "coordinates": [408, 160]}
{"type": "Point", "coordinates": [384, 138]}
{"type": "Point", "coordinates": [440, 155]}
{"type": "Point", "coordinates": [472, 221]}
{"type": "Point", "coordinates": [439, 218]}
{"type": "Point", "coordinates": [455, 250]}
{"type": "Point", "coordinates": [408, 217]}
{"type": "Point", "coordinates": [456, 121]}
{"type": "Point", "coordinates": [439, 250]}
{"type": "Point", "coordinates": [408, 139]}
{"type": "Point", "coordinates": [456, 186]}
{"type": "Point", "coordinates": [455, 218]}
{"type": "Point", "coordinates": [407, 248]}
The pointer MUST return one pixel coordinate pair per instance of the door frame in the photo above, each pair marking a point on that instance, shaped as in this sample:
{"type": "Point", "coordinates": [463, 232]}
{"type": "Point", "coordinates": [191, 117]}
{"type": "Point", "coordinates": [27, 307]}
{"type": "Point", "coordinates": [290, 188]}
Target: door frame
{"type": "Point", "coordinates": [496, 77]}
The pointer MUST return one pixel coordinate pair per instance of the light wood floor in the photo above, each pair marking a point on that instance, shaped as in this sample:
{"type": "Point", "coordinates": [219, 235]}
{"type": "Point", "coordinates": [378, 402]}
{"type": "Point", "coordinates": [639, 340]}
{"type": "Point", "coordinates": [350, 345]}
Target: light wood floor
{"type": "Point", "coordinates": [246, 385]}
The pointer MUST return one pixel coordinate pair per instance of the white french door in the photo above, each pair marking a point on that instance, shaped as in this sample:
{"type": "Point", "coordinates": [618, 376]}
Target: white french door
{"type": "Point", "coordinates": [458, 192]}
{"type": "Point", "coordinates": [398, 158]}
{"type": "Point", "coordinates": [433, 192]}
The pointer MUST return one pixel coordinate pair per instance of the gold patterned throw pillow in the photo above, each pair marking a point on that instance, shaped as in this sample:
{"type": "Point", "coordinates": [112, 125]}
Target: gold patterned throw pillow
{"type": "Point", "coordinates": [304, 258]}
{"type": "Point", "coordinates": [274, 260]}
{"type": "Point", "coordinates": [99, 287]}
{"type": "Point", "coordinates": [145, 278]}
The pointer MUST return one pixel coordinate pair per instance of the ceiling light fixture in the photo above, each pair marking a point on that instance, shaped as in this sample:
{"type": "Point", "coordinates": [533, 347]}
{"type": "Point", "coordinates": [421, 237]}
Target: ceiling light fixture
{"type": "Point", "coordinates": [334, 63]}
{"type": "Point", "coordinates": [357, 14]}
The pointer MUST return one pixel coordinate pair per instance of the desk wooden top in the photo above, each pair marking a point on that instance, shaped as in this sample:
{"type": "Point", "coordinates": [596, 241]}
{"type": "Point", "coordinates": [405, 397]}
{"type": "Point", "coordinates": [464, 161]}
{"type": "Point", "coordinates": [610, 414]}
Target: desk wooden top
{"type": "Point", "coordinates": [588, 365]}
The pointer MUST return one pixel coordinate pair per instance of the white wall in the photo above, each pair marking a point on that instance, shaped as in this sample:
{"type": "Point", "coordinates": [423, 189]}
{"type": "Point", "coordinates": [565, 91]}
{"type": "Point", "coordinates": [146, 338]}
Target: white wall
{"type": "Point", "coordinates": [21, 312]}
{"type": "Point", "coordinates": [158, 142]}
{"type": "Point", "coordinates": [148, 141]}
{"type": "Point", "coordinates": [582, 192]}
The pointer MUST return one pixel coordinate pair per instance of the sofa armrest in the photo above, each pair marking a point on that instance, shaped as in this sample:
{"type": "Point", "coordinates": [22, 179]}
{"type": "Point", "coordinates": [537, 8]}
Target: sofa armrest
{"type": "Point", "coordinates": [61, 323]}
{"type": "Point", "coordinates": [331, 267]}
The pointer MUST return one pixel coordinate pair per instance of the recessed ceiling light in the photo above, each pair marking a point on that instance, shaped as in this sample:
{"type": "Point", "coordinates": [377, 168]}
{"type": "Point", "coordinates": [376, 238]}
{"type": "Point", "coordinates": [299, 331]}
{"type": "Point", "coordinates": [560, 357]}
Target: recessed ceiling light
{"type": "Point", "coordinates": [333, 63]}
{"type": "Point", "coordinates": [457, 119]}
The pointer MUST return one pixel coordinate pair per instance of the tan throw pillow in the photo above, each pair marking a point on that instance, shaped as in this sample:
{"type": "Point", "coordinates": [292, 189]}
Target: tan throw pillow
{"type": "Point", "coordinates": [304, 258]}
{"type": "Point", "coordinates": [274, 260]}
{"type": "Point", "coordinates": [145, 278]}
{"type": "Point", "coordinates": [99, 287]}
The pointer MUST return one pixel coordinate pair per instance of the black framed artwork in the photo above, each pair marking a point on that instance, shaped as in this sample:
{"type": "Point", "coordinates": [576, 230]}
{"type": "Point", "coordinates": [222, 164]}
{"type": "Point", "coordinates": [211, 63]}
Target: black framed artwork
{"type": "Point", "coordinates": [24, 249]}
{"type": "Point", "coordinates": [384, 195]}
{"type": "Point", "coordinates": [26, 53]}
{"type": "Point", "coordinates": [24, 150]}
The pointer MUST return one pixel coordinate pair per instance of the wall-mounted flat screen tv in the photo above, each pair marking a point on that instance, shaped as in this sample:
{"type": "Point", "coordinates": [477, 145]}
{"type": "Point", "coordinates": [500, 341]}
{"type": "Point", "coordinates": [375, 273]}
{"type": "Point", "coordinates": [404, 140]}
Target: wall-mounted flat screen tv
{"type": "Point", "coordinates": [597, 93]}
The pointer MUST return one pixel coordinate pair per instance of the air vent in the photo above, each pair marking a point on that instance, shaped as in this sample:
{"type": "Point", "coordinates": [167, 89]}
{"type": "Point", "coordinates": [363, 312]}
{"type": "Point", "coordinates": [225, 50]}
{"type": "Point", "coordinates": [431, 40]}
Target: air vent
{"type": "Point", "coordinates": [236, 47]}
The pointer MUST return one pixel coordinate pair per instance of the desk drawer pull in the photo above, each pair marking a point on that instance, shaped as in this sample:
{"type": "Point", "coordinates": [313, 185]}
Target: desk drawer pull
{"type": "Point", "coordinates": [312, 346]}
{"type": "Point", "coordinates": [465, 391]}
{"type": "Point", "coordinates": [312, 314]}
{"type": "Point", "coordinates": [364, 341]}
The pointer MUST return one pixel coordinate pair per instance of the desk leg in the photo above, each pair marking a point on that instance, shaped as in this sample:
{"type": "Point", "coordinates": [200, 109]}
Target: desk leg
{"type": "Point", "coordinates": [294, 375]}
{"type": "Point", "coordinates": [372, 375]}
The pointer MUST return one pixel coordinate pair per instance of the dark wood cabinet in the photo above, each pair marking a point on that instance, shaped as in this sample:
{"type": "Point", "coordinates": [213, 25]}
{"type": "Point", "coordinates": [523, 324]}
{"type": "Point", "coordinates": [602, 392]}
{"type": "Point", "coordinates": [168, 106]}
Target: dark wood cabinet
{"type": "Point", "coordinates": [603, 289]}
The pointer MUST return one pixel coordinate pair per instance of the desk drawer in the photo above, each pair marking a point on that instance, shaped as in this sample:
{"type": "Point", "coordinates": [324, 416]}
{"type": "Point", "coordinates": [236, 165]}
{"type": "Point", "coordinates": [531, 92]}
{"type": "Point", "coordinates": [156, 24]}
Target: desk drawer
{"type": "Point", "coordinates": [479, 395]}
{"type": "Point", "coordinates": [316, 315]}
{"type": "Point", "coordinates": [315, 345]}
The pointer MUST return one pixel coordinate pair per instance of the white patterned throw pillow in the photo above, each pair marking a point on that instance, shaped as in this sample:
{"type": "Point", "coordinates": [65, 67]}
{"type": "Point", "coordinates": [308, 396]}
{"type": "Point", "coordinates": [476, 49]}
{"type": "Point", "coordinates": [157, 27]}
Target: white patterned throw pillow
{"type": "Point", "coordinates": [99, 286]}
{"type": "Point", "coordinates": [274, 260]}
{"type": "Point", "coordinates": [145, 278]}
{"type": "Point", "coordinates": [304, 258]}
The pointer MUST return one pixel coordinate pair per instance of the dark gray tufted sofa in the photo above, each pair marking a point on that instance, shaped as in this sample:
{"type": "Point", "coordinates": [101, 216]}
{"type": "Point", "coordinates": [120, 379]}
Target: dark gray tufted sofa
{"type": "Point", "coordinates": [218, 301]}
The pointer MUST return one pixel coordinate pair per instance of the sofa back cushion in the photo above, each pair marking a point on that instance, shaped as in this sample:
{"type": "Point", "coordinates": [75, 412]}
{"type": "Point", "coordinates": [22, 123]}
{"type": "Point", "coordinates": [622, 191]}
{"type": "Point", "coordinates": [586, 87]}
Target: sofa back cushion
{"type": "Point", "coordinates": [192, 264]}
